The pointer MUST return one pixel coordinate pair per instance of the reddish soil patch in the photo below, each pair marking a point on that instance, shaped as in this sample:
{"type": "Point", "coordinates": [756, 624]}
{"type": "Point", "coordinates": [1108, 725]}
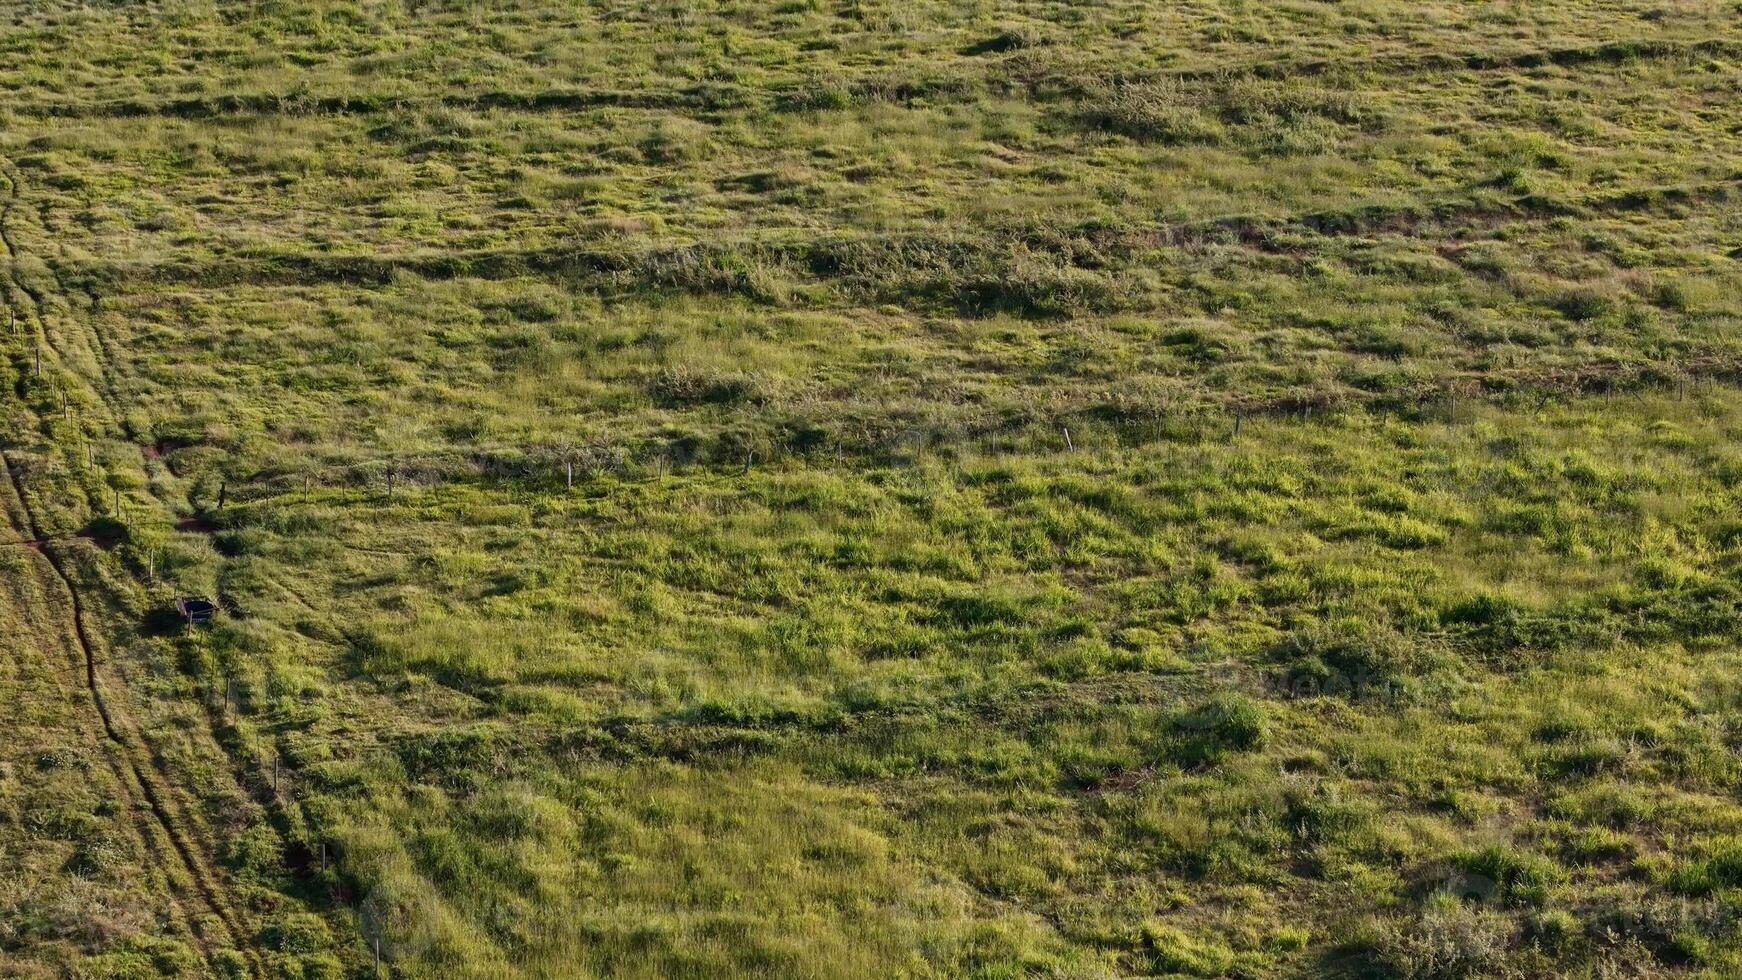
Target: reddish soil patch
{"type": "Point", "coordinates": [151, 452]}
{"type": "Point", "coordinates": [195, 525]}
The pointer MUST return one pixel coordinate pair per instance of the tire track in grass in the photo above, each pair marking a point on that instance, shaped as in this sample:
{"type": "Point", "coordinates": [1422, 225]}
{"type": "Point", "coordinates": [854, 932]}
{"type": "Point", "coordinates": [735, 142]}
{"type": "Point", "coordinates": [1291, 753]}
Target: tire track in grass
{"type": "Point", "coordinates": [192, 857]}
{"type": "Point", "coordinates": [150, 835]}
{"type": "Point", "coordinates": [95, 343]}
{"type": "Point", "coordinates": [120, 730]}
{"type": "Point", "coordinates": [32, 307]}
{"type": "Point", "coordinates": [874, 88]}
{"type": "Point", "coordinates": [852, 261]}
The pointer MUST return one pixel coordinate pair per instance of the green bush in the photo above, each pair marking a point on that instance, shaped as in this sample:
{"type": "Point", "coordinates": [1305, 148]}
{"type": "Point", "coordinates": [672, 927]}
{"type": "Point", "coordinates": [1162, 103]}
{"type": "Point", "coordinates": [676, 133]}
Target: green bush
{"type": "Point", "coordinates": [1208, 733]}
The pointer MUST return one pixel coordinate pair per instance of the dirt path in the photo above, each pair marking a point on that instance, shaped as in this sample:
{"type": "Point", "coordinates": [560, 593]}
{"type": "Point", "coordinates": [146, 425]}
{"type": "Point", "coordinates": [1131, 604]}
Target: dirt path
{"type": "Point", "coordinates": [201, 900]}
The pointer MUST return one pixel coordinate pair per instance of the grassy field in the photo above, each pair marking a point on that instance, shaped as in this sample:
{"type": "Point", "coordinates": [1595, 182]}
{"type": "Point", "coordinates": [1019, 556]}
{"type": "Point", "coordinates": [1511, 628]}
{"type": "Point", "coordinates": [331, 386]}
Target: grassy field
{"type": "Point", "coordinates": [851, 489]}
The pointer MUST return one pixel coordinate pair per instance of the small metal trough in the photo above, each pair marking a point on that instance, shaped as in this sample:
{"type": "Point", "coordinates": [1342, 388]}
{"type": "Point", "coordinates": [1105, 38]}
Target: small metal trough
{"type": "Point", "coordinates": [194, 610]}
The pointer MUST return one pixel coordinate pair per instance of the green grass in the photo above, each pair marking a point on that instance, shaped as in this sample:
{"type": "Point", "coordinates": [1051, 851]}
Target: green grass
{"type": "Point", "coordinates": [874, 489]}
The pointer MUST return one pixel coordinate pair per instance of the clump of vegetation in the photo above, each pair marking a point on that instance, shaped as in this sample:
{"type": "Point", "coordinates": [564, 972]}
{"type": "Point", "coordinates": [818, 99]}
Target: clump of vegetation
{"type": "Point", "coordinates": [1451, 941]}
{"type": "Point", "coordinates": [1159, 112]}
{"type": "Point", "coordinates": [1211, 731]}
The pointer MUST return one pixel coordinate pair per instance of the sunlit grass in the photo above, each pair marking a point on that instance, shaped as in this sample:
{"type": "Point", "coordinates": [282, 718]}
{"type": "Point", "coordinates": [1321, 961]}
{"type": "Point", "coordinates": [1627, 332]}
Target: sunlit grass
{"type": "Point", "coordinates": [885, 488]}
